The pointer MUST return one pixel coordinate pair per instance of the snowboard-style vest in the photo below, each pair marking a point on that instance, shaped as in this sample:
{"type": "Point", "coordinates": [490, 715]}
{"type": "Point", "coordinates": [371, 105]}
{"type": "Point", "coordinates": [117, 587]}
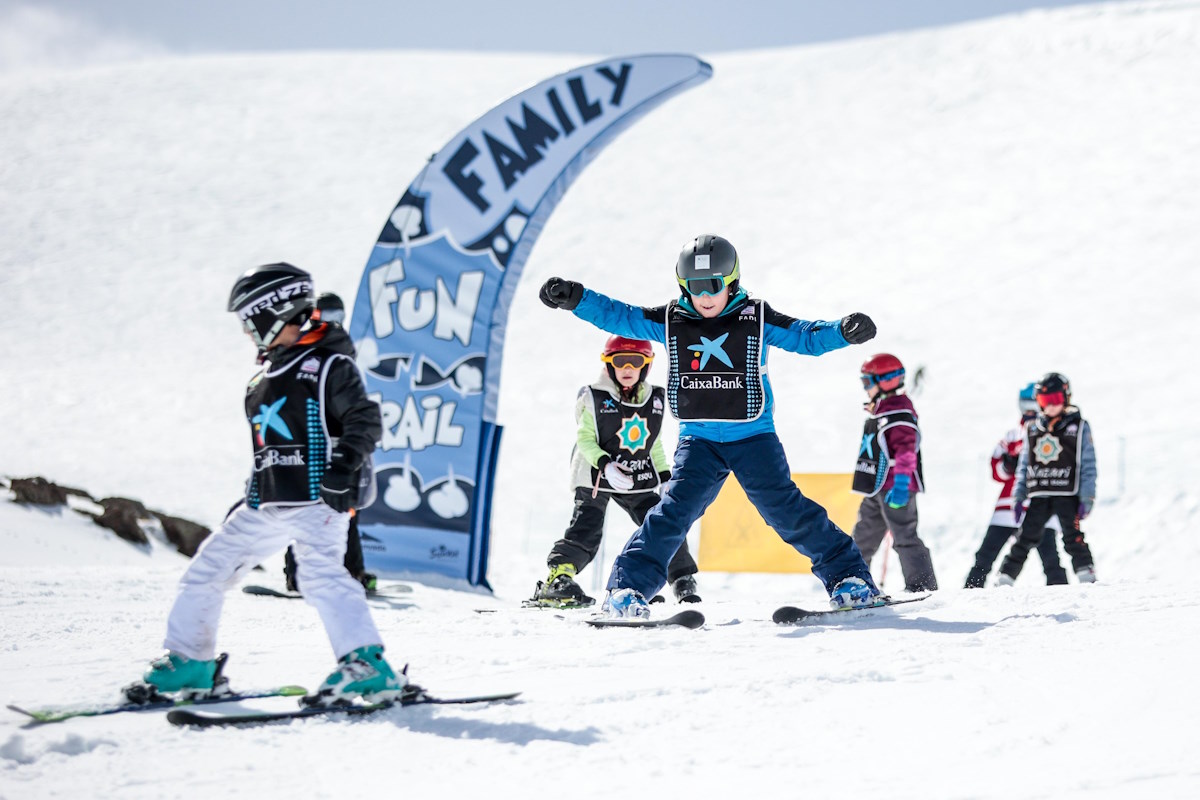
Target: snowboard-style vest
{"type": "Point", "coordinates": [627, 431]}
{"type": "Point", "coordinates": [874, 460]}
{"type": "Point", "coordinates": [1054, 456]}
{"type": "Point", "coordinates": [715, 365]}
{"type": "Point", "coordinates": [288, 432]}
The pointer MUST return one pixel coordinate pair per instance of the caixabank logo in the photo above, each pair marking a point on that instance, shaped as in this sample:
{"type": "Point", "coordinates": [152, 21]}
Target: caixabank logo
{"type": "Point", "coordinates": [708, 351]}
{"type": "Point", "coordinates": [268, 419]}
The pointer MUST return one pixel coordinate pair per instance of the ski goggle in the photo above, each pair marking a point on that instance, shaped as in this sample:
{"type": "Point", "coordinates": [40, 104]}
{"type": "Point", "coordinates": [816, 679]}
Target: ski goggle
{"type": "Point", "coordinates": [706, 286]}
{"type": "Point", "coordinates": [334, 315]}
{"type": "Point", "coordinates": [870, 380]}
{"type": "Point", "coordinates": [1051, 399]}
{"type": "Point", "coordinates": [620, 360]}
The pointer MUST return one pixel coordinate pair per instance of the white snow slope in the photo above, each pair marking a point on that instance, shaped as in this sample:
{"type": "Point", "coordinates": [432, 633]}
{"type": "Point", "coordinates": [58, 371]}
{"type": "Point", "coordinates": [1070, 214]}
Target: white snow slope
{"type": "Point", "coordinates": [1004, 198]}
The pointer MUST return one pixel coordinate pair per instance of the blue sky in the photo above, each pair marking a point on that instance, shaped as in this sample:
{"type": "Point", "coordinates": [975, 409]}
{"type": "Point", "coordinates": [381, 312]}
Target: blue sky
{"type": "Point", "coordinates": [59, 32]}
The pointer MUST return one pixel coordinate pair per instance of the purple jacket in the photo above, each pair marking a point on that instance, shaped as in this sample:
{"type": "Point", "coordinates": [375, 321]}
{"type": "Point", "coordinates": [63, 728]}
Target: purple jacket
{"type": "Point", "coordinates": [901, 440]}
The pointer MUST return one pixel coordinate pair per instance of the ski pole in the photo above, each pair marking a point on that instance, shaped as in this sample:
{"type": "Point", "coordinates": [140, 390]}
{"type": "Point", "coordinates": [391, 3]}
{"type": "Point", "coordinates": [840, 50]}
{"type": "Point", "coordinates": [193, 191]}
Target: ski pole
{"type": "Point", "coordinates": [887, 547]}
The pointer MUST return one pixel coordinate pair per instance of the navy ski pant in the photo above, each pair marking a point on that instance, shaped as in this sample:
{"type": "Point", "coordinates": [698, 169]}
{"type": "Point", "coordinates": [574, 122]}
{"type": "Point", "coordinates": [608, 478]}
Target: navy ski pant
{"type": "Point", "coordinates": [761, 468]}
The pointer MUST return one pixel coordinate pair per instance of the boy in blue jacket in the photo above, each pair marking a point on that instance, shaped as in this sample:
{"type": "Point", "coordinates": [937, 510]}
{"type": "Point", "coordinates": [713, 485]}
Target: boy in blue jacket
{"type": "Point", "coordinates": [716, 339]}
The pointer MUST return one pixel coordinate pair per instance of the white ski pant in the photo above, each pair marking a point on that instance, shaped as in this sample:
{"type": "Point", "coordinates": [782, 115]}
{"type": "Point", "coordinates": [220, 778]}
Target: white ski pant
{"type": "Point", "coordinates": [246, 538]}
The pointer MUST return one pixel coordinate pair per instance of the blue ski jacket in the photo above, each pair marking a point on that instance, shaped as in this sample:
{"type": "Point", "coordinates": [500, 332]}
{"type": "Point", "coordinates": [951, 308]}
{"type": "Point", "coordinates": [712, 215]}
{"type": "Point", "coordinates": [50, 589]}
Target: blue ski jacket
{"type": "Point", "coordinates": [779, 330]}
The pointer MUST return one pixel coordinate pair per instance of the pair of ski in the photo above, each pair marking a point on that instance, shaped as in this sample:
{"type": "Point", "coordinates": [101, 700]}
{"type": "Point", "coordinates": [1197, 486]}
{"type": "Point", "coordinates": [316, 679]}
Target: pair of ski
{"type": "Point", "coordinates": [182, 711]}
{"type": "Point", "coordinates": [785, 615]}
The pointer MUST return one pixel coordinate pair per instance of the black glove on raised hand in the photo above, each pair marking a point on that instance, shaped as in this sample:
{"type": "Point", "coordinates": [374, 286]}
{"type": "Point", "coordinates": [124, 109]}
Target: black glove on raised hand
{"type": "Point", "coordinates": [559, 293]}
{"type": "Point", "coordinates": [339, 485]}
{"type": "Point", "coordinates": [858, 328]}
{"type": "Point", "coordinates": [1010, 463]}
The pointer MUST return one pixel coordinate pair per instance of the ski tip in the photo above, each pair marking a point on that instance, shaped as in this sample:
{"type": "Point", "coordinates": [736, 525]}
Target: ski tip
{"type": "Point", "coordinates": [181, 717]}
{"type": "Point", "coordinates": [32, 715]}
{"type": "Point", "coordinates": [689, 619]}
{"type": "Point", "coordinates": [788, 615]}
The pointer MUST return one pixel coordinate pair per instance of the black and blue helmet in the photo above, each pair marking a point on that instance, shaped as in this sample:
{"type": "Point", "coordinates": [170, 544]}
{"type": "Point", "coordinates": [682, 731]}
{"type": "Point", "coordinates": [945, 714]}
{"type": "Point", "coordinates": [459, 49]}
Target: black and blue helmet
{"type": "Point", "coordinates": [706, 265]}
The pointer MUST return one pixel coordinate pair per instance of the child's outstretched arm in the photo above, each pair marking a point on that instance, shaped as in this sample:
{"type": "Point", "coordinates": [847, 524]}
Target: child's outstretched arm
{"type": "Point", "coordinates": [605, 313]}
{"type": "Point", "coordinates": [815, 338]}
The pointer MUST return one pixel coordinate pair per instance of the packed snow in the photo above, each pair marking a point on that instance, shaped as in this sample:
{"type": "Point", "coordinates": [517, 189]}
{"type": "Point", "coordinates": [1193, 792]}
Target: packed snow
{"type": "Point", "coordinates": [1004, 198]}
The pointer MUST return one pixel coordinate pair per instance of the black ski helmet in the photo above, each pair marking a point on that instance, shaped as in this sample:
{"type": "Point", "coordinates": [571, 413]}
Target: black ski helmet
{"type": "Point", "coordinates": [706, 265]}
{"type": "Point", "coordinates": [1053, 382]}
{"type": "Point", "coordinates": [331, 308]}
{"type": "Point", "coordinates": [268, 297]}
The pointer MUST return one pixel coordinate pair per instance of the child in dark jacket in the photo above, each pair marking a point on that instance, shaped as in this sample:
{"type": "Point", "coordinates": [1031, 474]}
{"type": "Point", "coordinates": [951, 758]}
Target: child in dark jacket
{"type": "Point", "coordinates": [312, 429]}
{"type": "Point", "coordinates": [889, 473]}
{"type": "Point", "coordinates": [1057, 473]}
{"type": "Point", "coordinates": [1004, 526]}
{"type": "Point", "coordinates": [717, 338]}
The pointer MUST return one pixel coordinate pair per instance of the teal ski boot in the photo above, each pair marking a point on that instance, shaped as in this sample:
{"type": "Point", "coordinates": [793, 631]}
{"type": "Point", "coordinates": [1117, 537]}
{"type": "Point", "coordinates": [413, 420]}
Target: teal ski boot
{"type": "Point", "coordinates": [174, 672]}
{"type": "Point", "coordinates": [360, 673]}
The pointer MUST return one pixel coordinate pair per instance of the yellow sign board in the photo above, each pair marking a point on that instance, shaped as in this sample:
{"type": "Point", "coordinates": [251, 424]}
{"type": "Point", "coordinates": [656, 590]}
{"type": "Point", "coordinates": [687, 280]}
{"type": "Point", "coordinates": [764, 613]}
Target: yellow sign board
{"type": "Point", "coordinates": [734, 537]}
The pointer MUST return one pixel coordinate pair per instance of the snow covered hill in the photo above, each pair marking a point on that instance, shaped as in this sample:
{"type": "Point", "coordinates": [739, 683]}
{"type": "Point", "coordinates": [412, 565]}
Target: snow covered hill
{"type": "Point", "coordinates": [1004, 198]}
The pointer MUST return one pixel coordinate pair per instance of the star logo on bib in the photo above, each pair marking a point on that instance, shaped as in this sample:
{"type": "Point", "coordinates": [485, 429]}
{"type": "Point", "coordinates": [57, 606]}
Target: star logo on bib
{"type": "Point", "coordinates": [1047, 448]}
{"type": "Point", "coordinates": [634, 434]}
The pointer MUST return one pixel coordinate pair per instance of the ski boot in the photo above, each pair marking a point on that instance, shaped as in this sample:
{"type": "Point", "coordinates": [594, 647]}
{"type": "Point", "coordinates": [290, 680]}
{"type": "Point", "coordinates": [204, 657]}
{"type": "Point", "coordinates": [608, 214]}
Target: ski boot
{"type": "Point", "coordinates": [173, 672]}
{"type": "Point", "coordinates": [360, 673]}
{"type": "Point", "coordinates": [852, 593]}
{"type": "Point", "coordinates": [1086, 574]}
{"type": "Point", "coordinates": [626, 603]}
{"type": "Point", "coordinates": [1005, 580]}
{"type": "Point", "coordinates": [685, 589]}
{"type": "Point", "coordinates": [560, 589]}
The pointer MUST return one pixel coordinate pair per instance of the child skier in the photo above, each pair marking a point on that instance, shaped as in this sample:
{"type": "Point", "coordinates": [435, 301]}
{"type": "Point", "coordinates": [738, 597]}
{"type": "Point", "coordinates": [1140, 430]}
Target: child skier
{"type": "Point", "coordinates": [889, 473]}
{"type": "Point", "coordinates": [717, 338]}
{"type": "Point", "coordinates": [1057, 472]}
{"type": "Point", "coordinates": [312, 426]}
{"type": "Point", "coordinates": [1003, 527]}
{"type": "Point", "coordinates": [617, 455]}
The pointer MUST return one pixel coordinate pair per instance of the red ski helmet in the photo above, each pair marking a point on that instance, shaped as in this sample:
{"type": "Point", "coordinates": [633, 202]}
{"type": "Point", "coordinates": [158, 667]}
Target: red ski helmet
{"type": "Point", "coordinates": [620, 351]}
{"type": "Point", "coordinates": [621, 344]}
{"type": "Point", "coordinates": [883, 370]}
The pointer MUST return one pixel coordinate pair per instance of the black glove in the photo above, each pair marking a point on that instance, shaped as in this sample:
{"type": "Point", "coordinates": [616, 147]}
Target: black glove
{"type": "Point", "coordinates": [858, 328]}
{"type": "Point", "coordinates": [558, 293]}
{"type": "Point", "coordinates": [339, 485]}
{"type": "Point", "coordinates": [664, 476]}
{"type": "Point", "coordinates": [1010, 463]}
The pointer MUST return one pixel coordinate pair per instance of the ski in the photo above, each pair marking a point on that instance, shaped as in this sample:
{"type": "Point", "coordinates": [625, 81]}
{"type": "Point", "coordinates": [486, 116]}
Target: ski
{"type": "Point", "coordinates": [791, 615]}
{"type": "Point", "coordinates": [206, 719]}
{"type": "Point", "coordinates": [687, 619]}
{"type": "Point", "coordinates": [44, 716]}
{"type": "Point", "coordinates": [383, 591]}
